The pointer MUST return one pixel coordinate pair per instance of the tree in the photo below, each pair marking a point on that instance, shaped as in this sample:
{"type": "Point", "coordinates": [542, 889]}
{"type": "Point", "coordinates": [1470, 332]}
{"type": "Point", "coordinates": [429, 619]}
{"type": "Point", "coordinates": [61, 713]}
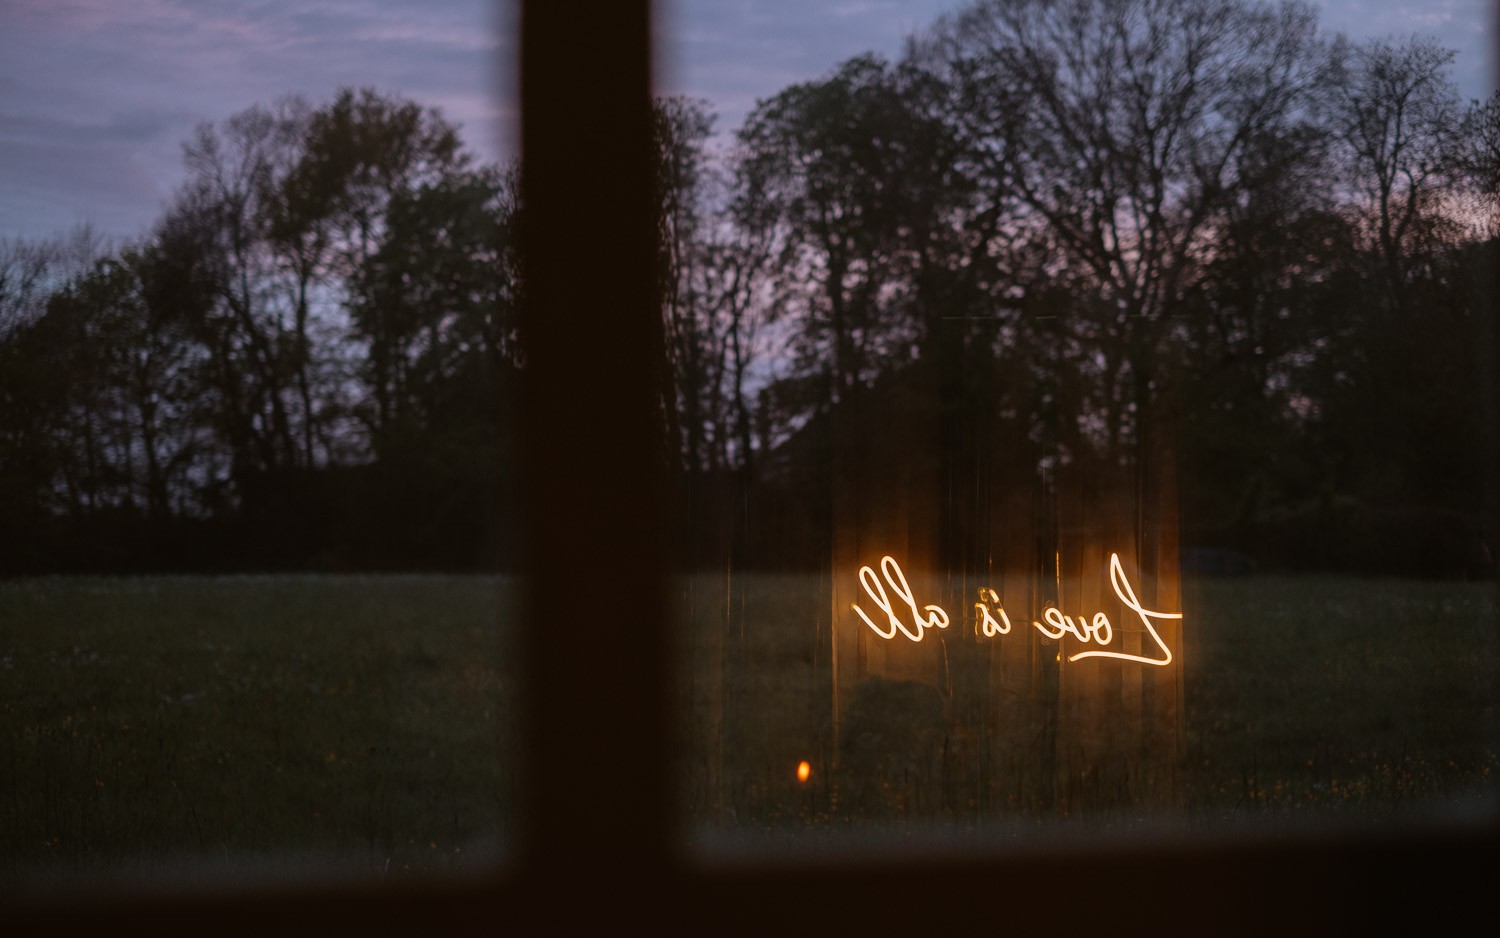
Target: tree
{"type": "Point", "coordinates": [1393, 114]}
{"type": "Point", "coordinates": [818, 175]}
{"type": "Point", "coordinates": [24, 269]}
{"type": "Point", "coordinates": [358, 154]}
{"type": "Point", "coordinates": [694, 354]}
{"type": "Point", "coordinates": [97, 424]}
{"type": "Point", "coordinates": [429, 303]}
{"type": "Point", "coordinates": [1125, 130]}
{"type": "Point", "coordinates": [31, 270]}
{"type": "Point", "coordinates": [434, 303]}
{"type": "Point", "coordinates": [220, 223]}
{"type": "Point", "coordinates": [1478, 164]}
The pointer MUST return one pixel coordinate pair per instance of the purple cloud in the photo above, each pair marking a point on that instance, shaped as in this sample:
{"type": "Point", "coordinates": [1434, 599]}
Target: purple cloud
{"type": "Point", "coordinates": [97, 96]}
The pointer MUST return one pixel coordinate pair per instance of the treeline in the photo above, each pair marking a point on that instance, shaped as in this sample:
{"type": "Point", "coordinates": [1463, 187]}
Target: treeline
{"type": "Point", "coordinates": [307, 362]}
{"type": "Point", "coordinates": [1075, 238]}
{"type": "Point", "coordinates": [1064, 245]}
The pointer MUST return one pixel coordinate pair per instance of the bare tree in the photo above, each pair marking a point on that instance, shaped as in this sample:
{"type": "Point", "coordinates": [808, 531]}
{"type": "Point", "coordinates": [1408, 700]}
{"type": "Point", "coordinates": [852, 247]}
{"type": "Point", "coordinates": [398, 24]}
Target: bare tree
{"type": "Point", "coordinates": [226, 208]}
{"type": "Point", "coordinates": [30, 271]}
{"type": "Point", "coordinates": [713, 277]}
{"type": "Point", "coordinates": [24, 270]}
{"type": "Point", "coordinates": [1395, 116]}
{"type": "Point", "coordinates": [1479, 162]}
{"type": "Point", "coordinates": [1124, 129]}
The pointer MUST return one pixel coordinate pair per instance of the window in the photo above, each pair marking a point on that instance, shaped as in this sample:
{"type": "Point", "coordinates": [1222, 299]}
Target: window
{"type": "Point", "coordinates": [600, 840]}
{"type": "Point", "coordinates": [907, 379]}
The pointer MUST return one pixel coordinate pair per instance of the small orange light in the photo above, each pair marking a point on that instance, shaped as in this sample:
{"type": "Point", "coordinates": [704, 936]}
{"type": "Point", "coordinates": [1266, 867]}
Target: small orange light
{"type": "Point", "coordinates": [804, 771]}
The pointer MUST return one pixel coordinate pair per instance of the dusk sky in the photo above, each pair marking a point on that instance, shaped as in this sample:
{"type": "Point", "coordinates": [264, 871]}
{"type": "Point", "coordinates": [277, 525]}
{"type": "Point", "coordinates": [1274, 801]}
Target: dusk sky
{"type": "Point", "coordinates": [97, 96]}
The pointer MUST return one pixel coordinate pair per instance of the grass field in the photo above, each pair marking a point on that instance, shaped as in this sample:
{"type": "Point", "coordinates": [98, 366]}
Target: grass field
{"type": "Point", "coordinates": [363, 724]}
{"type": "Point", "coordinates": [1313, 700]}
{"type": "Point", "coordinates": [252, 723]}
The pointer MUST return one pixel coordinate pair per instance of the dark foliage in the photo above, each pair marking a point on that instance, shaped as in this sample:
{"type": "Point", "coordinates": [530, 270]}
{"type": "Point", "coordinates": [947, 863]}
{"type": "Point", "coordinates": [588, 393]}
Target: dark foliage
{"type": "Point", "coordinates": [1054, 240]}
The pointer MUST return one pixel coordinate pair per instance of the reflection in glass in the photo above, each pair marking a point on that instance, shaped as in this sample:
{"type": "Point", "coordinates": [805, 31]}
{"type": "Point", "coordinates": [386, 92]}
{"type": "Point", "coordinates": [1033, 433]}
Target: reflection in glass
{"type": "Point", "coordinates": [1080, 421]}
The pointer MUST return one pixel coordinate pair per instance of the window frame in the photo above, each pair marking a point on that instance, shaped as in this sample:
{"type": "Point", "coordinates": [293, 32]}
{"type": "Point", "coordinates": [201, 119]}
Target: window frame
{"type": "Point", "coordinates": [598, 838]}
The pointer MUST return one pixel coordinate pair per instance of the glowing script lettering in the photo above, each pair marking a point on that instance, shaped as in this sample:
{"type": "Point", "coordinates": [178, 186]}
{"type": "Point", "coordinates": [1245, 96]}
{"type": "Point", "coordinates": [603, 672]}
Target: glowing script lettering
{"type": "Point", "coordinates": [1127, 596]}
{"type": "Point", "coordinates": [935, 617]}
{"type": "Point", "coordinates": [985, 623]}
{"type": "Point", "coordinates": [990, 618]}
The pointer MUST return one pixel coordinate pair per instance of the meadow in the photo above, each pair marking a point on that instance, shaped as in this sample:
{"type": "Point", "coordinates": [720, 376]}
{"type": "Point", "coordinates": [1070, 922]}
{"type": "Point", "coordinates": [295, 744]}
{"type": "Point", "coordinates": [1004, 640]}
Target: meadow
{"type": "Point", "coordinates": [1310, 701]}
{"type": "Point", "coordinates": [364, 724]}
{"type": "Point", "coordinates": [241, 725]}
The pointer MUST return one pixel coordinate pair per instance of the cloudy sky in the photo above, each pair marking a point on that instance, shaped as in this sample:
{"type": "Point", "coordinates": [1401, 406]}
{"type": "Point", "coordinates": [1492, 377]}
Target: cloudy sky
{"type": "Point", "coordinates": [96, 96]}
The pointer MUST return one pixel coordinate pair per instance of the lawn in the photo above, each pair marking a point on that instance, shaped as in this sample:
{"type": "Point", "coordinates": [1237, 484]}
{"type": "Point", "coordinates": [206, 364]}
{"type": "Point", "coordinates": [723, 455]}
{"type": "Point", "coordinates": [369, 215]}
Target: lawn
{"type": "Point", "coordinates": [245, 724]}
{"type": "Point", "coordinates": [363, 723]}
{"type": "Point", "coordinates": [1309, 700]}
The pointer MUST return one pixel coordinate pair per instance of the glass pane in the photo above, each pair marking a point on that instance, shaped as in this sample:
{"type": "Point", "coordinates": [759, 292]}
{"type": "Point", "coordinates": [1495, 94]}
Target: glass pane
{"type": "Point", "coordinates": [1081, 424]}
{"type": "Point", "coordinates": [257, 347]}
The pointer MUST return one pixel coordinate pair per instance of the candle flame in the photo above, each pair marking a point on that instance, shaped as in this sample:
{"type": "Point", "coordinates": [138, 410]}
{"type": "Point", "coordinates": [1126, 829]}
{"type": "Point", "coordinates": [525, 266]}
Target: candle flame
{"type": "Point", "coordinates": [804, 771]}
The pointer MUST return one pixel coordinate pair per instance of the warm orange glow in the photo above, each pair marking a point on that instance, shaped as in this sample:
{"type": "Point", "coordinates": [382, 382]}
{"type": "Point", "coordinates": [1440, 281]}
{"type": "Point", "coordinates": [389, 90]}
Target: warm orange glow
{"type": "Point", "coordinates": [1059, 625]}
{"type": "Point", "coordinates": [1054, 625]}
{"type": "Point", "coordinates": [936, 617]}
{"type": "Point", "coordinates": [1127, 596]}
{"type": "Point", "coordinates": [984, 620]}
{"type": "Point", "coordinates": [804, 771]}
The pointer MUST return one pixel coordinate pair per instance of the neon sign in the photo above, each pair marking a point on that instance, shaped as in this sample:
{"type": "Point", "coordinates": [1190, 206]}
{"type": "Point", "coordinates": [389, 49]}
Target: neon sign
{"type": "Point", "coordinates": [935, 616]}
{"type": "Point", "coordinates": [990, 618]}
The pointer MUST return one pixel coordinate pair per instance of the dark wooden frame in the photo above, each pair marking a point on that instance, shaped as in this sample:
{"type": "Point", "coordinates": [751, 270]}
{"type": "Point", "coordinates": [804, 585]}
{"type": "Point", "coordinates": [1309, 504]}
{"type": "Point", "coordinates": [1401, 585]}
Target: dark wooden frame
{"type": "Point", "coordinates": [597, 844]}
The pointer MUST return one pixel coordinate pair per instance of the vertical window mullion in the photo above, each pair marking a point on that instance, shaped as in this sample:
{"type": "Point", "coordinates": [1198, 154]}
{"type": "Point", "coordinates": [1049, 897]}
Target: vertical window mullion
{"type": "Point", "coordinates": [595, 783]}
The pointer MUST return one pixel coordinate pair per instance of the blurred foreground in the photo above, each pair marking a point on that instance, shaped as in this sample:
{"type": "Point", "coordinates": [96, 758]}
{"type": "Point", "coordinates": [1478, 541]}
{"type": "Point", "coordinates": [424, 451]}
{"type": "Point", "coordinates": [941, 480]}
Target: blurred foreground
{"type": "Point", "coordinates": [362, 724]}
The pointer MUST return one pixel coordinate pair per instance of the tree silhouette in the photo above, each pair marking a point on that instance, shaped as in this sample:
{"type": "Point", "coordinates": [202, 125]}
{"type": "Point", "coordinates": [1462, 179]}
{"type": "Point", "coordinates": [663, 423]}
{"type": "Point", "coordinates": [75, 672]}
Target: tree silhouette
{"type": "Point", "coordinates": [1056, 242]}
